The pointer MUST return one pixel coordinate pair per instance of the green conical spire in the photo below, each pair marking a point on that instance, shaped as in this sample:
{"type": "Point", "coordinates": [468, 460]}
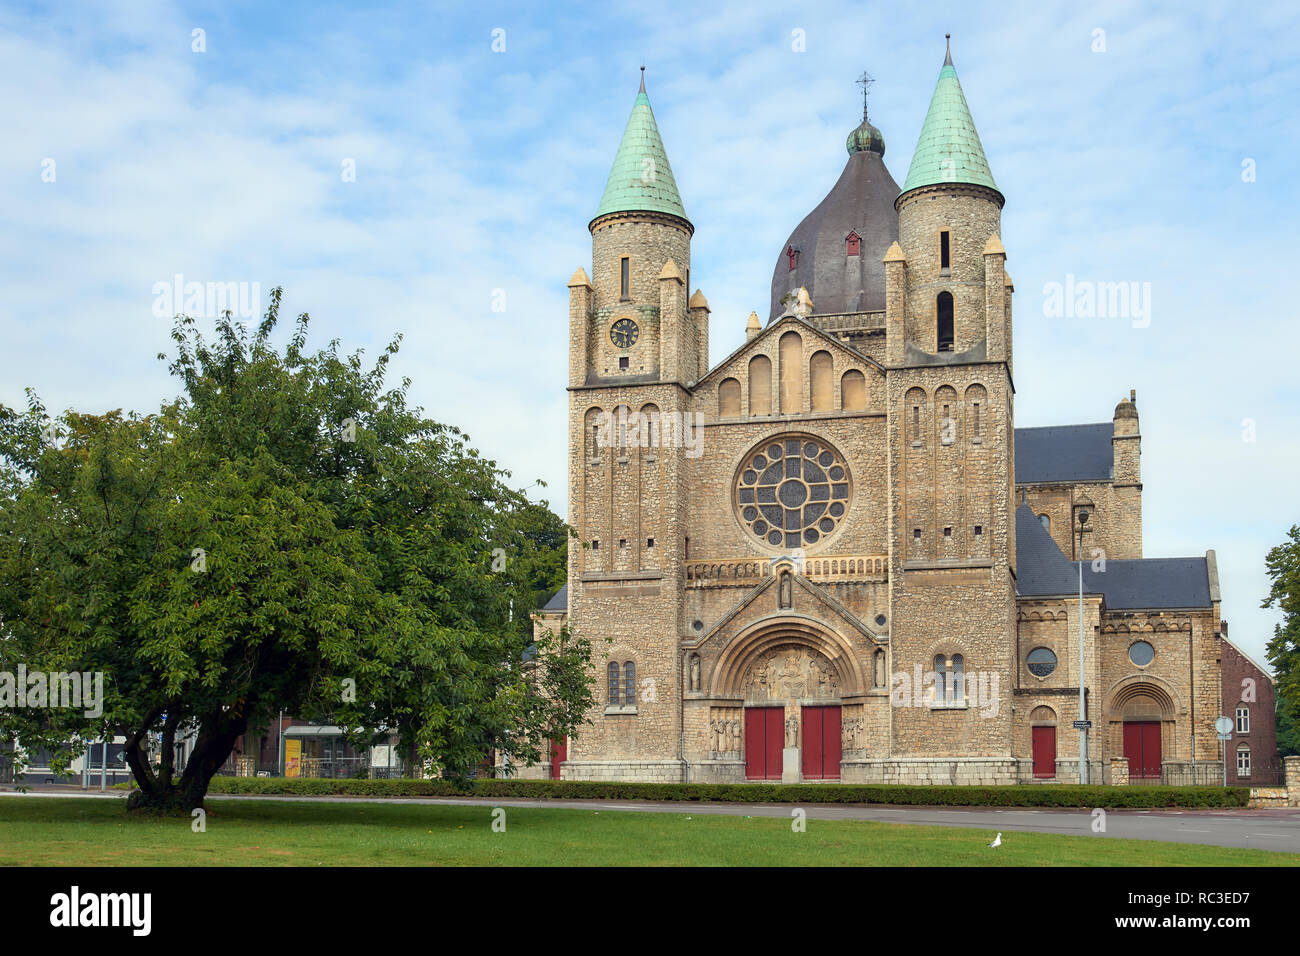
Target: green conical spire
{"type": "Point", "coordinates": [949, 149]}
{"type": "Point", "coordinates": [641, 179]}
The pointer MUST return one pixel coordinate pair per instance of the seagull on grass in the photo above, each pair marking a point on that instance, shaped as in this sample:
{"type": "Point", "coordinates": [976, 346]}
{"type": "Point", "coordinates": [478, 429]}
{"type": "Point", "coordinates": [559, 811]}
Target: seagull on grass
{"type": "Point", "coordinates": [997, 841]}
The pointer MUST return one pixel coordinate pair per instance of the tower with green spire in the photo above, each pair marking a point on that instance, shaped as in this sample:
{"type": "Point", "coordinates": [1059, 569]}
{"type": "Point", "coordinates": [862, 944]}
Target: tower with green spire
{"type": "Point", "coordinates": [641, 179]}
{"type": "Point", "coordinates": [949, 148]}
{"type": "Point", "coordinates": [638, 343]}
{"type": "Point", "coordinates": [948, 333]}
{"type": "Point", "coordinates": [639, 235]}
{"type": "Point", "coordinates": [949, 211]}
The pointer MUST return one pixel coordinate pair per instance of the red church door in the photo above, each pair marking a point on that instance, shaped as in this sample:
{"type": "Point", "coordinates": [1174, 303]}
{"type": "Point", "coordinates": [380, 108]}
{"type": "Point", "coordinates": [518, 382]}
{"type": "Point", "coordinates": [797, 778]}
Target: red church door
{"type": "Point", "coordinates": [821, 743]}
{"type": "Point", "coordinates": [559, 754]}
{"type": "Point", "coordinates": [764, 738]}
{"type": "Point", "coordinates": [1044, 751]}
{"type": "Point", "coordinates": [1142, 748]}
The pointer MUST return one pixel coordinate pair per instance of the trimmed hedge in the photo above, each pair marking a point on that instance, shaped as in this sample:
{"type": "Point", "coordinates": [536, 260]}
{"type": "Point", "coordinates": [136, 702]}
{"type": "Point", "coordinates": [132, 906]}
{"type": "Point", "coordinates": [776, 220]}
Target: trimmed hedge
{"type": "Point", "coordinates": [1064, 795]}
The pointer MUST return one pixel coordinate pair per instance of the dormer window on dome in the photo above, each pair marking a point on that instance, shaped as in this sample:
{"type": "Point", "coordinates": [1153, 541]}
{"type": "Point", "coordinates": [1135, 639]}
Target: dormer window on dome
{"type": "Point", "coordinates": [852, 244]}
{"type": "Point", "coordinates": [792, 255]}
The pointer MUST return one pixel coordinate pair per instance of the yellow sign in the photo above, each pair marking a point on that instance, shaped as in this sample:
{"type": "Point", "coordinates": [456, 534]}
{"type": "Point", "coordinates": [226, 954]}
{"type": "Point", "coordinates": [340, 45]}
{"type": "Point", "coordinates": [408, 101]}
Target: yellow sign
{"type": "Point", "coordinates": [292, 757]}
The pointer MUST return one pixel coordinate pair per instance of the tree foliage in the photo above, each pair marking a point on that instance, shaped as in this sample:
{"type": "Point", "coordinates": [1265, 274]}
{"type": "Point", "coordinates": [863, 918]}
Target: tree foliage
{"type": "Point", "coordinates": [288, 534]}
{"type": "Point", "coordinates": [1283, 563]}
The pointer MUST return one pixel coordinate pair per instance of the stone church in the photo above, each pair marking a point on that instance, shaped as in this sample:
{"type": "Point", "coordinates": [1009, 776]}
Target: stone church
{"type": "Point", "coordinates": [832, 555]}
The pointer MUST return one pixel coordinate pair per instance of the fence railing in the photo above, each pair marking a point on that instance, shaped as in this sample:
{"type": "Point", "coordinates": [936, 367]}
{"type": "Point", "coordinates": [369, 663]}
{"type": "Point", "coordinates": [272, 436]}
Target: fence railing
{"type": "Point", "coordinates": [1210, 775]}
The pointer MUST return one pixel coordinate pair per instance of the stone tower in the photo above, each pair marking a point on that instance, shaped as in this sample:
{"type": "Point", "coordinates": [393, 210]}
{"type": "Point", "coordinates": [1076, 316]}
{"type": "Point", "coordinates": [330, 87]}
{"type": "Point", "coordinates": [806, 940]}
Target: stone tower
{"type": "Point", "coordinates": [952, 537]}
{"type": "Point", "coordinates": [637, 344]}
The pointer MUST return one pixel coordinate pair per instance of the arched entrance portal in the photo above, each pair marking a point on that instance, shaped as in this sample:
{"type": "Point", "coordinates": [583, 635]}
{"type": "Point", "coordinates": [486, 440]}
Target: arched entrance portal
{"type": "Point", "coordinates": [1144, 710]}
{"type": "Point", "coordinates": [793, 678]}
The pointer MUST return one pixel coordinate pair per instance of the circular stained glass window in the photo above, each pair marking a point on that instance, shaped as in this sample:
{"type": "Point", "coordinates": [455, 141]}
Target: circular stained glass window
{"type": "Point", "coordinates": [792, 492]}
{"type": "Point", "coordinates": [1041, 661]}
{"type": "Point", "coordinates": [1141, 653]}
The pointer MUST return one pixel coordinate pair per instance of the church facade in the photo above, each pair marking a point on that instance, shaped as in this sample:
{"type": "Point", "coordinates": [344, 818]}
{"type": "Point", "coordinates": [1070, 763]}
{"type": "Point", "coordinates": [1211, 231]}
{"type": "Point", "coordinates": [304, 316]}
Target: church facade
{"type": "Point", "coordinates": [832, 555]}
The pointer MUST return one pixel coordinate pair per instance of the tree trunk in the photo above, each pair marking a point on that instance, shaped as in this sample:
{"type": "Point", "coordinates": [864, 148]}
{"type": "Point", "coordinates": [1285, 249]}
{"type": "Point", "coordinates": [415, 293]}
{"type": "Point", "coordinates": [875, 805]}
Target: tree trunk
{"type": "Point", "coordinates": [162, 793]}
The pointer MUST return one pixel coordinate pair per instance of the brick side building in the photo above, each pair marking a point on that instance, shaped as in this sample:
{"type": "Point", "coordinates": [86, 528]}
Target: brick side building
{"type": "Point", "coordinates": [832, 555]}
{"type": "Point", "coordinates": [1248, 699]}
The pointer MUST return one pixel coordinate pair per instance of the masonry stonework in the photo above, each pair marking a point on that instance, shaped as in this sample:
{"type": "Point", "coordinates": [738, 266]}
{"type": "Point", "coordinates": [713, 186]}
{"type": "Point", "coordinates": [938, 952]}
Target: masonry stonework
{"type": "Point", "coordinates": [828, 541]}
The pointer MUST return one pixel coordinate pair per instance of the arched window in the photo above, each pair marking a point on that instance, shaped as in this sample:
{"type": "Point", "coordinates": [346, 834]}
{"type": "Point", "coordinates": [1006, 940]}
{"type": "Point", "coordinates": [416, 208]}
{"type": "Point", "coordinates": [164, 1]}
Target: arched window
{"type": "Point", "coordinates": [647, 424]}
{"type": "Point", "coordinates": [620, 424]}
{"type": "Point", "coordinates": [976, 399]}
{"type": "Point", "coordinates": [821, 371]}
{"type": "Point", "coordinates": [597, 432]}
{"type": "Point", "coordinates": [760, 385]}
{"type": "Point", "coordinates": [1243, 719]}
{"type": "Point", "coordinates": [853, 391]}
{"type": "Point", "coordinates": [949, 681]}
{"type": "Point", "coordinates": [729, 398]}
{"type": "Point", "coordinates": [612, 674]}
{"type": "Point", "coordinates": [943, 311]}
{"type": "Point", "coordinates": [1045, 521]}
{"type": "Point", "coordinates": [945, 402]}
{"type": "Point", "coordinates": [790, 351]}
{"type": "Point", "coordinates": [629, 684]}
{"type": "Point", "coordinates": [1243, 761]}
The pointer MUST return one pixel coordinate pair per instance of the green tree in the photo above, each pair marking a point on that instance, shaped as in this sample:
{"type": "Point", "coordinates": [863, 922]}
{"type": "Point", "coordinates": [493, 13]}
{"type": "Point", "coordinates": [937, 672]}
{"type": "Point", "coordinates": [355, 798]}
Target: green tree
{"type": "Point", "coordinates": [287, 534]}
{"type": "Point", "coordinates": [1283, 563]}
{"type": "Point", "coordinates": [1288, 735]}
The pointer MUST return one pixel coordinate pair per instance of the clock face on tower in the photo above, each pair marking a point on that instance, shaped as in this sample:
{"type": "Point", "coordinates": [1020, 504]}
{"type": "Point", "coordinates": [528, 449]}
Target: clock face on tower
{"type": "Point", "coordinates": [623, 333]}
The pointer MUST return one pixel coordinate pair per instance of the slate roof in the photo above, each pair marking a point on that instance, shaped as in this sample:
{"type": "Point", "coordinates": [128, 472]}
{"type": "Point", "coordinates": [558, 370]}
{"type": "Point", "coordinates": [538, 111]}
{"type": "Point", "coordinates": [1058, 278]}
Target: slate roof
{"type": "Point", "coordinates": [1043, 570]}
{"type": "Point", "coordinates": [861, 201]}
{"type": "Point", "coordinates": [1065, 453]}
{"type": "Point", "coordinates": [559, 600]}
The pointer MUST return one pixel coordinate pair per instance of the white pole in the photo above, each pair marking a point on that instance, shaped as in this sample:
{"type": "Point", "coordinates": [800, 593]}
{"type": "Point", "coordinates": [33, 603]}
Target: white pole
{"type": "Point", "coordinates": [103, 768]}
{"type": "Point", "coordinates": [1083, 733]}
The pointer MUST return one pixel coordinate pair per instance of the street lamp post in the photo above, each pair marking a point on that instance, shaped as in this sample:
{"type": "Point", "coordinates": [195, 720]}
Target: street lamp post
{"type": "Point", "coordinates": [1083, 730]}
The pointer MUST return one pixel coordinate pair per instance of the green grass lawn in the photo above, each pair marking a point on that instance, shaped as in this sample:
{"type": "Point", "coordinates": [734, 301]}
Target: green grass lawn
{"type": "Point", "coordinates": [90, 832]}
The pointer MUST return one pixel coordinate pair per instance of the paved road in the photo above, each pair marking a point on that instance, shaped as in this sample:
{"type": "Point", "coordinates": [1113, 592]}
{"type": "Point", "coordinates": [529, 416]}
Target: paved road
{"type": "Point", "coordinates": [1277, 830]}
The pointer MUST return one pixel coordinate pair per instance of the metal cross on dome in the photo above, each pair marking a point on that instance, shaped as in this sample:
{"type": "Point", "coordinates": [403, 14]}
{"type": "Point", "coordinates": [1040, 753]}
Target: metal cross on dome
{"type": "Point", "coordinates": [865, 81]}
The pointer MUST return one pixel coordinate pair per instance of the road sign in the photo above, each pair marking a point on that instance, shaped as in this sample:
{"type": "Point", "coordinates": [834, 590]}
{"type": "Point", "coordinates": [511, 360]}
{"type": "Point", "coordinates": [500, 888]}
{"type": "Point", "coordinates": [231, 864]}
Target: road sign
{"type": "Point", "coordinates": [1083, 725]}
{"type": "Point", "coordinates": [1223, 725]}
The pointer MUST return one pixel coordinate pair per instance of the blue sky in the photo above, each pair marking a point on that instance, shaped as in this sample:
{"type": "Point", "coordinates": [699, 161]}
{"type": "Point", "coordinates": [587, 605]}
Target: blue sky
{"type": "Point", "coordinates": [478, 171]}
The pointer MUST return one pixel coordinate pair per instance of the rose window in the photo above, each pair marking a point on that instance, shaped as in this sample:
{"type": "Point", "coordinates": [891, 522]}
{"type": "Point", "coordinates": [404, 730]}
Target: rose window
{"type": "Point", "coordinates": [792, 491]}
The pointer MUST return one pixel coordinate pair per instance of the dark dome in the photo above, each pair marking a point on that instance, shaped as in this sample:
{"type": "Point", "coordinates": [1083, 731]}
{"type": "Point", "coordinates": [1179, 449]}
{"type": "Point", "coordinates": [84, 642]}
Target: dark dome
{"type": "Point", "coordinates": [861, 203]}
